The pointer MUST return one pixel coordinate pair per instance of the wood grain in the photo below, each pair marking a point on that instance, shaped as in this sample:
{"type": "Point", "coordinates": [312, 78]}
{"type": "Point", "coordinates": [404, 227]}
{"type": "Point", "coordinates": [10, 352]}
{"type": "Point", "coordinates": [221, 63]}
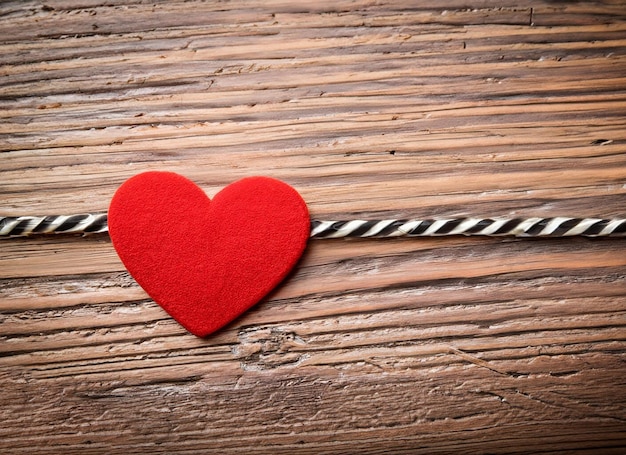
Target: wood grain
{"type": "Point", "coordinates": [370, 109]}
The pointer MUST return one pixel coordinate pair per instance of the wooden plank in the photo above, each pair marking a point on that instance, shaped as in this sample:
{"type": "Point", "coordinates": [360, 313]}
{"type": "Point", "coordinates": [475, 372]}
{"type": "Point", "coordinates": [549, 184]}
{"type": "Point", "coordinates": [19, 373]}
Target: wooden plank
{"type": "Point", "coordinates": [371, 110]}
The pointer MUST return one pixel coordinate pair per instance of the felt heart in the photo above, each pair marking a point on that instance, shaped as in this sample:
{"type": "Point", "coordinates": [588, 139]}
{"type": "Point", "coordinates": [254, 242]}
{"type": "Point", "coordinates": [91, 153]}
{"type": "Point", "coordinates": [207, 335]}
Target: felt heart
{"type": "Point", "coordinates": [206, 262]}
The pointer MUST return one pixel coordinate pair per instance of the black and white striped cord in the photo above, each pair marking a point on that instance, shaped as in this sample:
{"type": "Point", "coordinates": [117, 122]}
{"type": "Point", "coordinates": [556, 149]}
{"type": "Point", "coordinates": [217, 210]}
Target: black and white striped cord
{"type": "Point", "coordinates": [518, 227]}
{"type": "Point", "coordinates": [23, 226]}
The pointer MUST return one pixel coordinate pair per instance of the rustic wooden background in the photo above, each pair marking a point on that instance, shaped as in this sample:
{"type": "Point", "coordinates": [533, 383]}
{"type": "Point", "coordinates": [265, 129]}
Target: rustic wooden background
{"type": "Point", "coordinates": [370, 109]}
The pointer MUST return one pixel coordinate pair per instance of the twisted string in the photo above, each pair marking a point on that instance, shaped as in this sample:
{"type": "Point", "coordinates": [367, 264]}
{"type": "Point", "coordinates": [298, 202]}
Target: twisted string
{"type": "Point", "coordinates": [519, 227]}
{"type": "Point", "coordinates": [21, 226]}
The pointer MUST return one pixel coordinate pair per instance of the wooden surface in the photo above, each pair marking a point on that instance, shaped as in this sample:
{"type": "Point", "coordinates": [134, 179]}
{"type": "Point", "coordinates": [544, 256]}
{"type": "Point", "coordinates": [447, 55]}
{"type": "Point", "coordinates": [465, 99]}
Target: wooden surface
{"type": "Point", "coordinates": [370, 109]}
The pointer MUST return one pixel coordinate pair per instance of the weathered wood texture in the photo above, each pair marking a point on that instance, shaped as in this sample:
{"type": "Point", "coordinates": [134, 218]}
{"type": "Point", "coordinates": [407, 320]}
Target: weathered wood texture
{"type": "Point", "coordinates": [370, 109]}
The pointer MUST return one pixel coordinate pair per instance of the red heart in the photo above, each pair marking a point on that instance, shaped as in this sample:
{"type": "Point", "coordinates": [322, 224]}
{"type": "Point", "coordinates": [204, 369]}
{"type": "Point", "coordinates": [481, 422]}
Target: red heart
{"type": "Point", "coordinates": [206, 262]}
